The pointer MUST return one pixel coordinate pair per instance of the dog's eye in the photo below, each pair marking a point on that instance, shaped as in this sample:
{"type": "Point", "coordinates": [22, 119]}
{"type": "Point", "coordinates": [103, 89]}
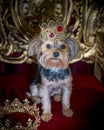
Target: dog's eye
{"type": "Point", "coordinates": [48, 46]}
{"type": "Point", "coordinates": [62, 46]}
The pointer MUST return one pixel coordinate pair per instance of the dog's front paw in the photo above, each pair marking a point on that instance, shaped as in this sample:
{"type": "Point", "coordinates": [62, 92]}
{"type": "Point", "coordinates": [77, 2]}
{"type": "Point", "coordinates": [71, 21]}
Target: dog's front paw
{"type": "Point", "coordinates": [67, 112]}
{"type": "Point", "coordinates": [46, 117]}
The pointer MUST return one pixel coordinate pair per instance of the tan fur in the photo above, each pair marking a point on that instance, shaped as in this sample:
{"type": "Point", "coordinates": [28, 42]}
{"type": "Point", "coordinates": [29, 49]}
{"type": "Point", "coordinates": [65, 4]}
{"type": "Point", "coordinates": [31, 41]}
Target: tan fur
{"type": "Point", "coordinates": [57, 97]}
{"type": "Point", "coordinates": [61, 89]}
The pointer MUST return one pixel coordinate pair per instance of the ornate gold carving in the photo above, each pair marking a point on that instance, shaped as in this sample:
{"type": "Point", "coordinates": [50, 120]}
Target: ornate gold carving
{"type": "Point", "coordinates": [17, 106]}
{"type": "Point", "coordinates": [20, 20]}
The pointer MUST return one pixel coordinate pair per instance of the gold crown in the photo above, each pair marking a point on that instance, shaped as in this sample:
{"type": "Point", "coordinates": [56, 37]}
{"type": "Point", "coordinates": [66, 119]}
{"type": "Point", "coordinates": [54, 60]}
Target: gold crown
{"type": "Point", "coordinates": [15, 107]}
{"type": "Point", "coordinates": [51, 30]}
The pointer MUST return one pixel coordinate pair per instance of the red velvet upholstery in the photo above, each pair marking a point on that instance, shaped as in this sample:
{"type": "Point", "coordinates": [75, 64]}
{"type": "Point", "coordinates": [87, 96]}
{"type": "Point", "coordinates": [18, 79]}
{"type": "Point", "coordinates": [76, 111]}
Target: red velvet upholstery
{"type": "Point", "coordinates": [87, 102]}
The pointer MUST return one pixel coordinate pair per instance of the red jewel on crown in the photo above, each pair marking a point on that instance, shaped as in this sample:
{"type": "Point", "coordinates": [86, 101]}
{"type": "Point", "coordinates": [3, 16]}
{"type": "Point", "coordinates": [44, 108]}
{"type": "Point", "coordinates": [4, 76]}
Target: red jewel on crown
{"type": "Point", "coordinates": [60, 28]}
{"type": "Point", "coordinates": [51, 35]}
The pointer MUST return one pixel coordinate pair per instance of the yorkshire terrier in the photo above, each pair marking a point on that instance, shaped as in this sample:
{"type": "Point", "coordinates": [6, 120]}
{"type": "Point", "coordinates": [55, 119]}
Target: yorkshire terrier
{"type": "Point", "coordinates": [54, 52]}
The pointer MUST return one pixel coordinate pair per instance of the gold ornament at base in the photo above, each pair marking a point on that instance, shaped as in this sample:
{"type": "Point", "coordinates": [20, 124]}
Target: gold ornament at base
{"type": "Point", "coordinates": [18, 107]}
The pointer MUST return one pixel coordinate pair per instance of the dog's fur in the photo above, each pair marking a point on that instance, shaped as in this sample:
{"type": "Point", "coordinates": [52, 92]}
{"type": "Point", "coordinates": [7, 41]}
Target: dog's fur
{"type": "Point", "coordinates": [53, 77]}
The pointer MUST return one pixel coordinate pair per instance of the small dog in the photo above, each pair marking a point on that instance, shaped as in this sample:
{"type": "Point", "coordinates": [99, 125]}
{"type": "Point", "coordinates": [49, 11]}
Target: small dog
{"type": "Point", "coordinates": [53, 77]}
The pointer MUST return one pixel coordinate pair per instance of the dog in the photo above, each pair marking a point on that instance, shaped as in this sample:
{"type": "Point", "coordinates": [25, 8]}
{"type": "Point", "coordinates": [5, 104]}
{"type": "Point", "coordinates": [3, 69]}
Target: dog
{"type": "Point", "coordinates": [53, 78]}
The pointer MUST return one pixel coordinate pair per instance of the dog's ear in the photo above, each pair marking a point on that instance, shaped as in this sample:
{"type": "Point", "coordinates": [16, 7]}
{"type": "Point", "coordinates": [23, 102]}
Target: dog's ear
{"type": "Point", "coordinates": [34, 47]}
{"type": "Point", "coordinates": [74, 47]}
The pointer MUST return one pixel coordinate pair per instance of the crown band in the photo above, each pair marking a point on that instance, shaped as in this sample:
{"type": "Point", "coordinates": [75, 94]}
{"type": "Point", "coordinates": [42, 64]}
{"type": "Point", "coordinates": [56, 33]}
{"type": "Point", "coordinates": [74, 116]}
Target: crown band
{"type": "Point", "coordinates": [53, 31]}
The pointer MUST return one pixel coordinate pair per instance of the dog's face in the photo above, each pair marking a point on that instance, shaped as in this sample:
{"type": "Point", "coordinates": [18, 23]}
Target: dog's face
{"type": "Point", "coordinates": [54, 54]}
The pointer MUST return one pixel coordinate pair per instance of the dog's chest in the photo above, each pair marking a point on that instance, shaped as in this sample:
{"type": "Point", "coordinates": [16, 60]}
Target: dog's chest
{"type": "Point", "coordinates": [55, 87]}
{"type": "Point", "coordinates": [55, 74]}
{"type": "Point", "coordinates": [55, 79]}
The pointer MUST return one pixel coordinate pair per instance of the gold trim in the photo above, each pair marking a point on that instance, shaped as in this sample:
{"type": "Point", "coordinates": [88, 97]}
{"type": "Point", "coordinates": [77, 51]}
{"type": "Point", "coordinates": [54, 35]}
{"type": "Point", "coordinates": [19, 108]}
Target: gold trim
{"type": "Point", "coordinates": [17, 106]}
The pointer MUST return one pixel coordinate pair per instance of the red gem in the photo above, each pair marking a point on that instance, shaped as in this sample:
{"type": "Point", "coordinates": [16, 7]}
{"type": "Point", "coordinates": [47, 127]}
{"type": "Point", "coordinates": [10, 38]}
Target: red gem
{"type": "Point", "coordinates": [51, 35]}
{"type": "Point", "coordinates": [60, 28]}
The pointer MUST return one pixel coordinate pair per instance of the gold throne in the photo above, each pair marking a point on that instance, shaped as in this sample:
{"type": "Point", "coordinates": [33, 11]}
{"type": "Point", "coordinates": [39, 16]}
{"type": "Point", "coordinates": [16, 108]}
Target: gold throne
{"type": "Point", "coordinates": [20, 20]}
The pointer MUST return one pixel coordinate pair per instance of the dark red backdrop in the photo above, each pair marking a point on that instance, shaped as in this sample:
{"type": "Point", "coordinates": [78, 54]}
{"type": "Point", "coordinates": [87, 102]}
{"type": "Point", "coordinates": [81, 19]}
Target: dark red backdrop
{"type": "Point", "coordinates": [25, 68]}
{"type": "Point", "coordinates": [87, 99]}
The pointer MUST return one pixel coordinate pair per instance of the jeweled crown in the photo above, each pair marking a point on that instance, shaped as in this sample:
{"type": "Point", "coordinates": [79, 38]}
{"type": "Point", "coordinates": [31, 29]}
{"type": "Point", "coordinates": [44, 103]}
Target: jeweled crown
{"type": "Point", "coordinates": [51, 30]}
{"type": "Point", "coordinates": [18, 107]}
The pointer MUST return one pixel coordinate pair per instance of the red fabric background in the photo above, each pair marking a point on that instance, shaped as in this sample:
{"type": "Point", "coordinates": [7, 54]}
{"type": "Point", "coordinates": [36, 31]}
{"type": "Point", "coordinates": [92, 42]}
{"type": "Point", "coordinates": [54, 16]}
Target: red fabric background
{"type": "Point", "coordinates": [78, 68]}
{"type": "Point", "coordinates": [87, 99]}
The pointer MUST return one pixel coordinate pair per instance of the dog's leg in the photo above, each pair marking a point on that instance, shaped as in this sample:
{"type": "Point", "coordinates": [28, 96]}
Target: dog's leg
{"type": "Point", "coordinates": [34, 88]}
{"type": "Point", "coordinates": [46, 104]}
{"type": "Point", "coordinates": [66, 102]}
{"type": "Point", "coordinates": [34, 94]}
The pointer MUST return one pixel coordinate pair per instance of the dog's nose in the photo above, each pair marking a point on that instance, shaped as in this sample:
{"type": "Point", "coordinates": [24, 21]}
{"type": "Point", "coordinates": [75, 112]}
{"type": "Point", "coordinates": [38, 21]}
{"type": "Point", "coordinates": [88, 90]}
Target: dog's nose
{"type": "Point", "coordinates": [56, 54]}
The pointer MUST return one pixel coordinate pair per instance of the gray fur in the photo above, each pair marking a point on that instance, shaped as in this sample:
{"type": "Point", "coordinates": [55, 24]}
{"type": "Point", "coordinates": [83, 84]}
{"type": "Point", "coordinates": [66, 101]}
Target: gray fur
{"type": "Point", "coordinates": [74, 47]}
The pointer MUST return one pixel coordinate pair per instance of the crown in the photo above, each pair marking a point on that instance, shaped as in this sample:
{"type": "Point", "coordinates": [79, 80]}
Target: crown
{"type": "Point", "coordinates": [18, 107]}
{"type": "Point", "coordinates": [53, 30]}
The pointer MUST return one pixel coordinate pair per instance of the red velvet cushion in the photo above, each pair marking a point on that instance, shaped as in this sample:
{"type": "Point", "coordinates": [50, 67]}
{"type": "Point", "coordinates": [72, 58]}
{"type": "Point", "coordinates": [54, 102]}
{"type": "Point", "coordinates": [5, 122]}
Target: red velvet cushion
{"type": "Point", "coordinates": [87, 102]}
